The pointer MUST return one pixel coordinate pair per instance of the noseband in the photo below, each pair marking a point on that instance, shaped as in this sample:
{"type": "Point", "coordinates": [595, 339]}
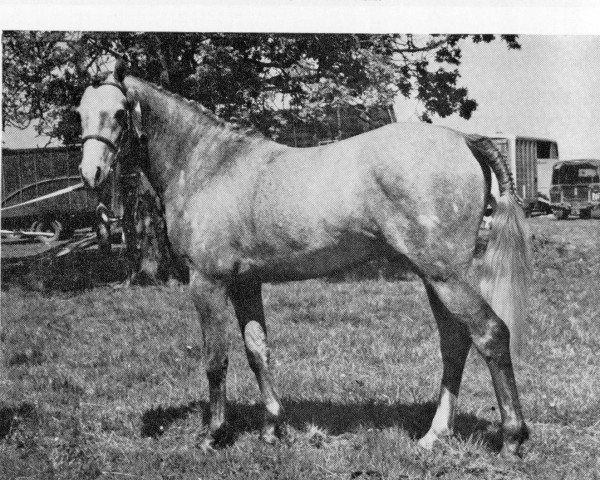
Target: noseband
{"type": "Point", "coordinates": [115, 148]}
{"type": "Point", "coordinates": [105, 140]}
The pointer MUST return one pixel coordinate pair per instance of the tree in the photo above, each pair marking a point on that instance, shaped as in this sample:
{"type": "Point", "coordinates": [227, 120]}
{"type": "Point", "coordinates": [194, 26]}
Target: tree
{"type": "Point", "coordinates": [253, 79]}
{"type": "Point", "coordinates": [247, 78]}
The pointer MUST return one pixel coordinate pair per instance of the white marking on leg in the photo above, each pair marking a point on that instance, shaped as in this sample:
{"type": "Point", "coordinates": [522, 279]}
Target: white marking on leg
{"type": "Point", "coordinates": [255, 339]}
{"type": "Point", "coordinates": [443, 421]}
{"type": "Point", "coordinates": [256, 344]}
{"type": "Point", "coordinates": [273, 407]}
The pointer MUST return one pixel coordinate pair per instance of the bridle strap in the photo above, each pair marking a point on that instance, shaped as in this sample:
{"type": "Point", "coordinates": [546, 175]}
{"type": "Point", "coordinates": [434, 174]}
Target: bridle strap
{"type": "Point", "coordinates": [100, 138]}
{"type": "Point", "coordinates": [120, 86]}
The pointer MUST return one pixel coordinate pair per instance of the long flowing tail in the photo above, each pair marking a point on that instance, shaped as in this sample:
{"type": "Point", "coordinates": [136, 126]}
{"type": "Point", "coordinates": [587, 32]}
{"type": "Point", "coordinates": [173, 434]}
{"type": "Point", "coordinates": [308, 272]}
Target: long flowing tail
{"type": "Point", "coordinates": [505, 270]}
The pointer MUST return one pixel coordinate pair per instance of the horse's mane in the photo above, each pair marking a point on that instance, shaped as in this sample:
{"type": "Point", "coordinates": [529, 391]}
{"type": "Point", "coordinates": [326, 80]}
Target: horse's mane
{"type": "Point", "coordinates": [201, 113]}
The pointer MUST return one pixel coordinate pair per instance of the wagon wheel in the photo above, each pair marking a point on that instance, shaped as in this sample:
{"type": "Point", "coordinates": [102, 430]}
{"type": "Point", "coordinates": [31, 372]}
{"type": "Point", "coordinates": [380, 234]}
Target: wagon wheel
{"type": "Point", "coordinates": [52, 226]}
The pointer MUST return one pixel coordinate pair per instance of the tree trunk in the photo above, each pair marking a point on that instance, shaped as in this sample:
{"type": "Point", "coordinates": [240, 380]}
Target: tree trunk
{"type": "Point", "coordinates": [129, 183]}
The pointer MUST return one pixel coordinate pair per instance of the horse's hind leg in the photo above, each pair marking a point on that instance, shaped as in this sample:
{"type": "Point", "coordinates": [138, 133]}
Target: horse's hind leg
{"type": "Point", "coordinates": [455, 342]}
{"type": "Point", "coordinates": [210, 300]}
{"type": "Point", "coordinates": [491, 338]}
{"type": "Point", "coordinates": [247, 301]}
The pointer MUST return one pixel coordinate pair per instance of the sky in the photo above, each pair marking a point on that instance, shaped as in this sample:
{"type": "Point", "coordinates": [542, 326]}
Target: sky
{"type": "Point", "coordinates": [549, 88]}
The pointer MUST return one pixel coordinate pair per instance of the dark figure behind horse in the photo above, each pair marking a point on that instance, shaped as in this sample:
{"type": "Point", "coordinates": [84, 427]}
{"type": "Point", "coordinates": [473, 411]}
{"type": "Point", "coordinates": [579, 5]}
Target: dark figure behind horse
{"type": "Point", "coordinates": [242, 210]}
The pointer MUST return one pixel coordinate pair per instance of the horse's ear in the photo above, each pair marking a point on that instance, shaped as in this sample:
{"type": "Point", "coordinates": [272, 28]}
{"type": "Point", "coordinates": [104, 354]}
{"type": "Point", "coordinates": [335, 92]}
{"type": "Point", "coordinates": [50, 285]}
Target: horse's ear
{"type": "Point", "coordinates": [120, 69]}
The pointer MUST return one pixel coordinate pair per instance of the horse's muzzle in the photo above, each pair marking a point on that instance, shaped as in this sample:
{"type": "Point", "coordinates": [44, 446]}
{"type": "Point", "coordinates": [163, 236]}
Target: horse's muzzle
{"type": "Point", "coordinates": [89, 180]}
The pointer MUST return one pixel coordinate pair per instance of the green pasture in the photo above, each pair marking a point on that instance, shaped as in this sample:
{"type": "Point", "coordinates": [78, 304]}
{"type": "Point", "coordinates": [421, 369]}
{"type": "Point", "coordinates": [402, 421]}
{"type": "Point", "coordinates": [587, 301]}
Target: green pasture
{"type": "Point", "coordinates": [109, 383]}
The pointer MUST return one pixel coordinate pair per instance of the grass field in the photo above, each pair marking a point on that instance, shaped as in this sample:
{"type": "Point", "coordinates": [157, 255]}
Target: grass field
{"type": "Point", "coordinates": [109, 383]}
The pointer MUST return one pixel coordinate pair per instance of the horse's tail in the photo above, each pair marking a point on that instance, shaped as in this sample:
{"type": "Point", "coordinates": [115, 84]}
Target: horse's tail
{"type": "Point", "coordinates": [504, 272]}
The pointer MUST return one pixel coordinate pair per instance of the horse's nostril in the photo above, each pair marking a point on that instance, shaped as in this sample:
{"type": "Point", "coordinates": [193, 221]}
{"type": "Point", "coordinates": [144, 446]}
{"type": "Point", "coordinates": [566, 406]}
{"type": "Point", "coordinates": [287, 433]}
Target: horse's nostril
{"type": "Point", "coordinates": [98, 173]}
{"type": "Point", "coordinates": [85, 181]}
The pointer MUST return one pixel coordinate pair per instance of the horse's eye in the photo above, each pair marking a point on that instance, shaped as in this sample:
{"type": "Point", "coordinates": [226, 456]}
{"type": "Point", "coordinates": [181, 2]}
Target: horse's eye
{"type": "Point", "coordinates": [120, 116]}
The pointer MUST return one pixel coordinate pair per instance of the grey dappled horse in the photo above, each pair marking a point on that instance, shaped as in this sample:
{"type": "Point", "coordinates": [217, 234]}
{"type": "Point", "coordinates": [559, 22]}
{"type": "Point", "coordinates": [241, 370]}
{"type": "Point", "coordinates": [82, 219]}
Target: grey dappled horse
{"type": "Point", "coordinates": [242, 210]}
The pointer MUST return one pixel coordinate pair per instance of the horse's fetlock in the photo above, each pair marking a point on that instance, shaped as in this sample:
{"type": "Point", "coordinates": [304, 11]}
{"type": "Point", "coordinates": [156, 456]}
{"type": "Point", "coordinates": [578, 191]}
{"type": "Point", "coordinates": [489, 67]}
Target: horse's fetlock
{"type": "Point", "coordinates": [515, 431]}
{"type": "Point", "coordinates": [218, 435]}
{"type": "Point", "coordinates": [273, 411]}
{"type": "Point", "coordinates": [216, 369]}
{"type": "Point", "coordinates": [514, 434]}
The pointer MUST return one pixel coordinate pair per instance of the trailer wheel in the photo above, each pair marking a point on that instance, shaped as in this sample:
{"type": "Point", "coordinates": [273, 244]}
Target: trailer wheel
{"type": "Point", "coordinates": [561, 214]}
{"type": "Point", "coordinates": [52, 226]}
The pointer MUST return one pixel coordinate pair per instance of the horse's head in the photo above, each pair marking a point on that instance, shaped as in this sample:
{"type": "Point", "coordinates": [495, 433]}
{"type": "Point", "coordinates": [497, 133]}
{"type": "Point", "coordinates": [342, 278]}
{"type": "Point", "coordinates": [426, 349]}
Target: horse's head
{"type": "Point", "coordinates": [105, 120]}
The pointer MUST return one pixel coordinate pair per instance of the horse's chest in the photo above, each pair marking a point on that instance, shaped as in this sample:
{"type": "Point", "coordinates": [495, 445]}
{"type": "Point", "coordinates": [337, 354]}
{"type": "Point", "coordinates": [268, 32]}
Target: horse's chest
{"type": "Point", "coordinates": [201, 231]}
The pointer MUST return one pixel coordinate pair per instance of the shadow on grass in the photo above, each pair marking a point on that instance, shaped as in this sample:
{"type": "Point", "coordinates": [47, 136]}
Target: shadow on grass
{"type": "Point", "coordinates": [70, 273]}
{"type": "Point", "coordinates": [335, 418]}
{"type": "Point", "coordinates": [11, 416]}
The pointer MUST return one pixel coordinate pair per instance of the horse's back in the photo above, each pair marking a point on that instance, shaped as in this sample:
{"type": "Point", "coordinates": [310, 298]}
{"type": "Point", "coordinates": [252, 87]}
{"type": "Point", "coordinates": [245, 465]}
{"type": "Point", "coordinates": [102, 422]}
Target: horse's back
{"type": "Point", "coordinates": [286, 213]}
{"type": "Point", "coordinates": [413, 186]}
{"type": "Point", "coordinates": [426, 167]}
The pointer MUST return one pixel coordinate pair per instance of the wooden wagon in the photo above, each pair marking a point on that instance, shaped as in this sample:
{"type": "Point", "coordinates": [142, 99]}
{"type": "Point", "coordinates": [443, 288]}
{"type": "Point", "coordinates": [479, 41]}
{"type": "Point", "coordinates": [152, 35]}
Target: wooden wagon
{"type": "Point", "coordinates": [29, 174]}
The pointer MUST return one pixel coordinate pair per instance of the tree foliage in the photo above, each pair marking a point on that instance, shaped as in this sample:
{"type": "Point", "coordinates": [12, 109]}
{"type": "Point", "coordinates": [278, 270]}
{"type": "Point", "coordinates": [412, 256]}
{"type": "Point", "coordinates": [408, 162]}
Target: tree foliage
{"type": "Point", "coordinates": [249, 78]}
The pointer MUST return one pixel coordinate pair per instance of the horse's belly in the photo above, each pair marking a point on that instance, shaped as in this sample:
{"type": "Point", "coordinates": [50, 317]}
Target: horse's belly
{"type": "Point", "coordinates": [310, 263]}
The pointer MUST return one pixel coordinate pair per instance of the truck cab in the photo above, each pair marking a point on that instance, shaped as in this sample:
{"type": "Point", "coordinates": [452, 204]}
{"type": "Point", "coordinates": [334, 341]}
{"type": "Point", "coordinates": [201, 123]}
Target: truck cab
{"type": "Point", "coordinates": [575, 188]}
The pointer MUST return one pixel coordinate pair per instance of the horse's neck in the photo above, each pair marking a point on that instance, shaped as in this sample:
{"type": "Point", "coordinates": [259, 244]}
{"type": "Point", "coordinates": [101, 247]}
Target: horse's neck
{"type": "Point", "coordinates": [179, 137]}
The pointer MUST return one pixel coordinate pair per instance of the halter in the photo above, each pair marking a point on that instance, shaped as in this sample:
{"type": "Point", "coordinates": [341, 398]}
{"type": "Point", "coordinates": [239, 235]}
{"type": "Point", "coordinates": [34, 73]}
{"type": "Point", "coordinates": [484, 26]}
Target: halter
{"type": "Point", "coordinates": [114, 147]}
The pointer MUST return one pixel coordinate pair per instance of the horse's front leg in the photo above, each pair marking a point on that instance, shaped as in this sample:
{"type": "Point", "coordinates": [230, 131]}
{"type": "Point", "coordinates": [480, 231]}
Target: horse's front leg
{"type": "Point", "coordinates": [210, 300]}
{"type": "Point", "coordinates": [247, 301]}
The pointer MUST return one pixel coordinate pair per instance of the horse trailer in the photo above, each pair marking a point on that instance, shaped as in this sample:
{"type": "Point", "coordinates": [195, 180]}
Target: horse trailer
{"type": "Point", "coordinates": [530, 160]}
{"type": "Point", "coordinates": [31, 173]}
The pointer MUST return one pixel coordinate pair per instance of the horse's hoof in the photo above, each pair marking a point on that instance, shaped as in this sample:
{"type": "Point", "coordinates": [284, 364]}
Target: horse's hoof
{"type": "Point", "coordinates": [511, 451]}
{"type": "Point", "coordinates": [268, 435]}
{"type": "Point", "coordinates": [216, 439]}
{"type": "Point", "coordinates": [207, 445]}
{"type": "Point", "coordinates": [428, 441]}
{"type": "Point", "coordinates": [272, 434]}
{"type": "Point", "coordinates": [511, 447]}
